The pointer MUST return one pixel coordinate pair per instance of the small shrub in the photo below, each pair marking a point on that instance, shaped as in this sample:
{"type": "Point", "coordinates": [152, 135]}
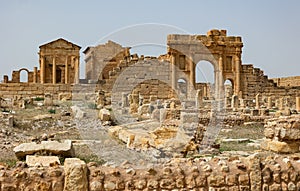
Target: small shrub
{"type": "Point", "coordinates": [39, 99]}
{"type": "Point", "coordinates": [9, 162]}
{"type": "Point", "coordinates": [52, 111]}
{"type": "Point", "coordinates": [92, 158]}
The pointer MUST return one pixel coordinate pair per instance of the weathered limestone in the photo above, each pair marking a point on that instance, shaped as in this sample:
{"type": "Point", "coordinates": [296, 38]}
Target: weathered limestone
{"type": "Point", "coordinates": [76, 173]}
{"type": "Point", "coordinates": [298, 104]}
{"type": "Point", "coordinates": [78, 112]}
{"type": "Point", "coordinates": [48, 100]}
{"type": "Point", "coordinates": [11, 121]}
{"type": "Point", "coordinates": [62, 149]}
{"type": "Point", "coordinates": [235, 102]}
{"type": "Point", "coordinates": [100, 100]}
{"type": "Point", "coordinates": [281, 104]}
{"type": "Point", "coordinates": [282, 135]}
{"type": "Point", "coordinates": [257, 101]}
{"type": "Point", "coordinates": [269, 104]}
{"type": "Point", "coordinates": [125, 100]}
{"type": "Point", "coordinates": [104, 115]}
{"type": "Point", "coordinates": [134, 103]}
{"type": "Point", "coordinates": [273, 172]}
{"type": "Point", "coordinates": [32, 160]}
{"type": "Point", "coordinates": [199, 99]}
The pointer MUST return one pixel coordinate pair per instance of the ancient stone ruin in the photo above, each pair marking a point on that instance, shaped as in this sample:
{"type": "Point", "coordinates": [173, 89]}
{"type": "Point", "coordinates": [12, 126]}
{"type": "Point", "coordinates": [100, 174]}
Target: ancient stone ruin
{"type": "Point", "coordinates": [139, 122]}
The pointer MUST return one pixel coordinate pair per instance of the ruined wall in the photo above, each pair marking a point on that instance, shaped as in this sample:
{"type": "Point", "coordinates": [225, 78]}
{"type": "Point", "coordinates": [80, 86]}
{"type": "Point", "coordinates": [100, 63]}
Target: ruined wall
{"type": "Point", "coordinates": [103, 58]}
{"type": "Point", "coordinates": [233, 173]}
{"type": "Point", "coordinates": [254, 82]}
{"type": "Point", "coordinates": [287, 81]}
{"type": "Point", "coordinates": [154, 88]}
{"type": "Point", "coordinates": [9, 90]}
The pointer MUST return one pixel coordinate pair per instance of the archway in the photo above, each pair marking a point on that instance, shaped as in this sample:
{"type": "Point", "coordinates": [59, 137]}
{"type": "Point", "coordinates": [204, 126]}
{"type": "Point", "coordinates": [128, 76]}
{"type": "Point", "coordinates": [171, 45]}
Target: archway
{"type": "Point", "coordinates": [228, 86]}
{"type": "Point", "coordinates": [205, 78]}
{"type": "Point", "coordinates": [228, 92]}
{"type": "Point", "coordinates": [24, 74]}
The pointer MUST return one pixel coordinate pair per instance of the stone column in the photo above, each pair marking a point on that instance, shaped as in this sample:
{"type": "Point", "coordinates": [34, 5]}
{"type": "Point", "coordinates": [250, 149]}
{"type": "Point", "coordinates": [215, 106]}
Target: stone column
{"type": "Point", "coordinates": [53, 70]}
{"type": "Point", "coordinates": [257, 101]}
{"type": "Point", "coordinates": [269, 105]}
{"type": "Point", "coordinates": [42, 70]}
{"type": "Point", "coordinates": [199, 99]}
{"type": "Point", "coordinates": [221, 81]}
{"type": "Point", "coordinates": [192, 72]}
{"type": "Point", "coordinates": [298, 104]}
{"type": "Point", "coordinates": [124, 100]}
{"type": "Point", "coordinates": [173, 65]}
{"type": "Point", "coordinates": [216, 84]}
{"type": "Point", "coordinates": [35, 73]}
{"type": "Point", "coordinates": [280, 105]}
{"type": "Point", "coordinates": [67, 69]}
{"type": "Point", "coordinates": [77, 70]}
{"type": "Point", "coordinates": [5, 79]}
{"type": "Point", "coordinates": [237, 76]}
{"type": "Point", "coordinates": [235, 102]}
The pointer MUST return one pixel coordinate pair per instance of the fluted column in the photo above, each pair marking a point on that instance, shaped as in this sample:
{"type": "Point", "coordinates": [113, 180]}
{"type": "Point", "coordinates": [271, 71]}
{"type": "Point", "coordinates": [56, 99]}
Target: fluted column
{"type": "Point", "coordinates": [237, 76]}
{"type": "Point", "coordinates": [42, 70]}
{"type": "Point", "coordinates": [67, 70]}
{"type": "Point", "coordinates": [173, 65]}
{"type": "Point", "coordinates": [192, 72]}
{"type": "Point", "coordinates": [221, 80]}
{"type": "Point", "coordinates": [53, 70]}
{"type": "Point", "coordinates": [35, 75]}
{"type": "Point", "coordinates": [77, 70]}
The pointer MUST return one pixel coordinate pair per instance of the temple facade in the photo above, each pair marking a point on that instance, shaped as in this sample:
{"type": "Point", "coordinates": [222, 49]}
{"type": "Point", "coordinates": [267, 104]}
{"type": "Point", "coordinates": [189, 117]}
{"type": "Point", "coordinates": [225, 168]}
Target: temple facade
{"type": "Point", "coordinates": [58, 64]}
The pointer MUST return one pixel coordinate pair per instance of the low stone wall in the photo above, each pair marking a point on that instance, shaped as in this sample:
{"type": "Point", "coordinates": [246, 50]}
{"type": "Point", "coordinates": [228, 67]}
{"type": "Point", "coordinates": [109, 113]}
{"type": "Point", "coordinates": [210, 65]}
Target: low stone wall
{"type": "Point", "coordinates": [212, 173]}
{"type": "Point", "coordinates": [26, 90]}
{"type": "Point", "coordinates": [282, 134]}
{"type": "Point", "coordinates": [287, 81]}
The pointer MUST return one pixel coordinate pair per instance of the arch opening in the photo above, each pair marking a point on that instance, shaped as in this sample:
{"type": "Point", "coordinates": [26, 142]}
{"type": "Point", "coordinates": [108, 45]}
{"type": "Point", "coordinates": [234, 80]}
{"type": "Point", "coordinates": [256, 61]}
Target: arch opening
{"type": "Point", "coordinates": [182, 87]}
{"type": "Point", "coordinates": [205, 78]}
{"type": "Point", "coordinates": [228, 92]}
{"type": "Point", "coordinates": [23, 76]}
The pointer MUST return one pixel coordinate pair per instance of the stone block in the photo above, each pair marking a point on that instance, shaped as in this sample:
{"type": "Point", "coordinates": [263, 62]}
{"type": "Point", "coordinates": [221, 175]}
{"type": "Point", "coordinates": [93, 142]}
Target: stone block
{"type": "Point", "coordinates": [282, 147]}
{"type": "Point", "coordinates": [76, 175]}
{"type": "Point", "coordinates": [54, 147]}
{"type": "Point", "coordinates": [104, 115]}
{"type": "Point", "coordinates": [32, 160]}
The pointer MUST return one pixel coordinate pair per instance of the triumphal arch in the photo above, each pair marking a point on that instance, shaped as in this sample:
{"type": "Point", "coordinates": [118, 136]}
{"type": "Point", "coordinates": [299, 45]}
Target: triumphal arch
{"type": "Point", "coordinates": [222, 51]}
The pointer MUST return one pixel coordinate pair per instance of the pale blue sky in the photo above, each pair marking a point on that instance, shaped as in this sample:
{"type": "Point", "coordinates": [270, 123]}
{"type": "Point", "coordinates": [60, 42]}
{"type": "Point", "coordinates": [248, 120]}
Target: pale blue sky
{"type": "Point", "coordinates": [270, 29]}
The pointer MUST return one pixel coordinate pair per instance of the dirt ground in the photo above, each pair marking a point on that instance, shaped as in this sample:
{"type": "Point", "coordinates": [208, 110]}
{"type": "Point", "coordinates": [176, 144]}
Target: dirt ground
{"type": "Point", "coordinates": [57, 123]}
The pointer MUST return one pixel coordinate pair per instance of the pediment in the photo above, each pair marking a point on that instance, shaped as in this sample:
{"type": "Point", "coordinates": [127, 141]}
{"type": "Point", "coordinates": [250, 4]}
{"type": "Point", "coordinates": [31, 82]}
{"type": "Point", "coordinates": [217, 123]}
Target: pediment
{"type": "Point", "coordinates": [60, 44]}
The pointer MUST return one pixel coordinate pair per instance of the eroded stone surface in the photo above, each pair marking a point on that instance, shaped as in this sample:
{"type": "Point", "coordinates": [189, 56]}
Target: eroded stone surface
{"type": "Point", "coordinates": [54, 147]}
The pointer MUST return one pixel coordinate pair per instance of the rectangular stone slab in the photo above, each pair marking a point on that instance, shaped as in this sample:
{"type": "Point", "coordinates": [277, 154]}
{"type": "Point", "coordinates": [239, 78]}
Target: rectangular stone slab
{"type": "Point", "coordinates": [54, 147]}
{"type": "Point", "coordinates": [43, 160]}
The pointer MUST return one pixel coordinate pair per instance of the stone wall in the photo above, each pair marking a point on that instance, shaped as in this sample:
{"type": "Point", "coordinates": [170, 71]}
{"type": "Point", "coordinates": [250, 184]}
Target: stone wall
{"type": "Point", "coordinates": [154, 88]}
{"type": "Point", "coordinates": [103, 58]}
{"type": "Point", "coordinates": [282, 135]}
{"type": "Point", "coordinates": [27, 90]}
{"type": "Point", "coordinates": [255, 172]}
{"type": "Point", "coordinates": [254, 81]}
{"type": "Point", "coordinates": [287, 81]}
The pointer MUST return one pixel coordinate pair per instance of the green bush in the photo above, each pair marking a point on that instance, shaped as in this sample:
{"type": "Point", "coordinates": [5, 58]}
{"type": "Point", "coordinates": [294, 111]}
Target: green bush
{"type": "Point", "coordinates": [39, 99]}
{"type": "Point", "coordinates": [52, 111]}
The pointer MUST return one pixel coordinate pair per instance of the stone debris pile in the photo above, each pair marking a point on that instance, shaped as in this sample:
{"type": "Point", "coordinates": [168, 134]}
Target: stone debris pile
{"type": "Point", "coordinates": [282, 134]}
